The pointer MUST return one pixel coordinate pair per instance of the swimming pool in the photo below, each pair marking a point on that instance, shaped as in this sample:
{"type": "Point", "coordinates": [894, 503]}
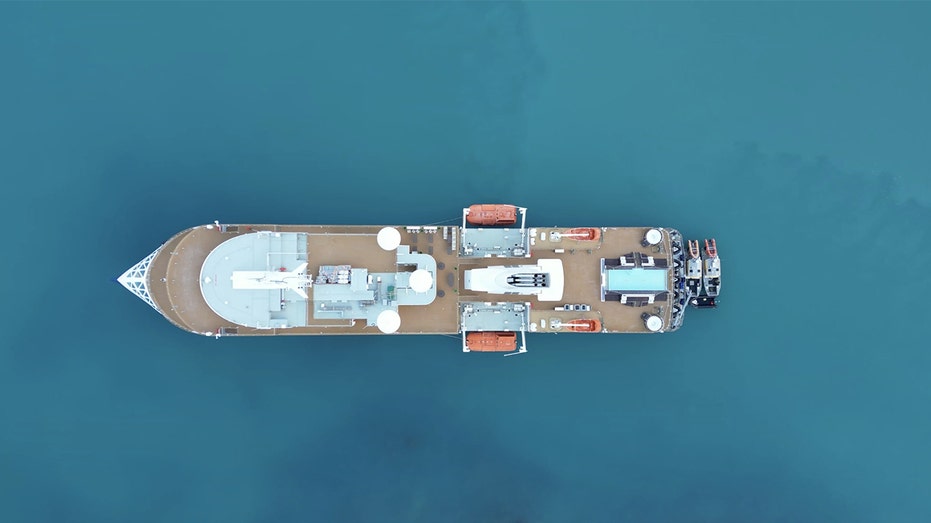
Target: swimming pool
{"type": "Point", "coordinates": [636, 280]}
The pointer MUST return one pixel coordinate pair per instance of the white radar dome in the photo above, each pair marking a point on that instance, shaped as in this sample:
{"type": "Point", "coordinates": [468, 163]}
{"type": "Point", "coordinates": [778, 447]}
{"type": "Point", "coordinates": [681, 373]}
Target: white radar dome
{"type": "Point", "coordinates": [654, 236]}
{"type": "Point", "coordinates": [389, 238]}
{"type": "Point", "coordinates": [654, 323]}
{"type": "Point", "coordinates": [421, 280]}
{"type": "Point", "coordinates": [388, 321]}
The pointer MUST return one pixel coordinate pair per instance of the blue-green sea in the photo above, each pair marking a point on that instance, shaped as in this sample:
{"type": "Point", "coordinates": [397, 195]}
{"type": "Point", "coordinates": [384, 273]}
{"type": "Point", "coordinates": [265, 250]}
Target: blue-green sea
{"type": "Point", "coordinates": [797, 134]}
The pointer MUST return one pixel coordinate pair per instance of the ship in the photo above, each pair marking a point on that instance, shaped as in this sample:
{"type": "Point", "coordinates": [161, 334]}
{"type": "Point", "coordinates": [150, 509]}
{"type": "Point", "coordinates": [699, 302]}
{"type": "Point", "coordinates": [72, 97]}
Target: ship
{"type": "Point", "coordinates": [488, 280]}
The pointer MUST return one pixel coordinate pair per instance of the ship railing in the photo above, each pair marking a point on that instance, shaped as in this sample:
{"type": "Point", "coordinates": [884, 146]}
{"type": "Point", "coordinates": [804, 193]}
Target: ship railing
{"type": "Point", "coordinates": [523, 345]}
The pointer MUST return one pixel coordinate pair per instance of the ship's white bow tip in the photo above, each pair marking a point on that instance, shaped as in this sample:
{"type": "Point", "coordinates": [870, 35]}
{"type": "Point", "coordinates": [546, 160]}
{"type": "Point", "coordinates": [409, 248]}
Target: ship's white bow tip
{"type": "Point", "coordinates": [135, 279]}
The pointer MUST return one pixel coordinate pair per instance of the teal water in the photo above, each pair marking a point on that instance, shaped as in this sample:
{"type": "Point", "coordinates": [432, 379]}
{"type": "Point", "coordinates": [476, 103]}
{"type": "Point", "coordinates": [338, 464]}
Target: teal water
{"type": "Point", "coordinates": [797, 134]}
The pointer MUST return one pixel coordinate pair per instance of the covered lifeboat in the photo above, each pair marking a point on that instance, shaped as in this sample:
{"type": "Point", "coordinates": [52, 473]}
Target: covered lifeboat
{"type": "Point", "coordinates": [492, 214]}
{"type": "Point", "coordinates": [583, 325]}
{"type": "Point", "coordinates": [584, 234]}
{"type": "Point", "coordinates": [495, 341]}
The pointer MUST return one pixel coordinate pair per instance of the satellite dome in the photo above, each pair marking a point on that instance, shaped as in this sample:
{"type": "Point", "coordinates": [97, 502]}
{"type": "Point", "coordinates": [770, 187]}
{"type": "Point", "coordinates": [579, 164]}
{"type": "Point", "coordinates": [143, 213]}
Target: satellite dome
{"type": "Point", "coordinates": [388, 321]}
{"type": "Point", "coordinates": [389, 238]}
{"type": "Point", "coordinates": [421, 280]}
{"type": "Point", "coordinates": [654, 323]}
{"type": "Point", "coordinates": [653, 236]}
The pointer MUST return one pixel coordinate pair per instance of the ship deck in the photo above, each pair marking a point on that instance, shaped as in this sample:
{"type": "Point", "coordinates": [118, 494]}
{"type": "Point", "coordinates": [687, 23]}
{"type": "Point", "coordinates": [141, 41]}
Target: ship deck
{"type": "Point", "coordinates": [174, 278]}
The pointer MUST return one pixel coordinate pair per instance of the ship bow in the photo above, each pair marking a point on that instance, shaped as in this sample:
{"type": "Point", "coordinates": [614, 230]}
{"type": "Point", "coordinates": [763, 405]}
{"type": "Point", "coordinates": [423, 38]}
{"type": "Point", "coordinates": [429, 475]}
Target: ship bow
{"type": "Point", "coordinates": [136, 279]}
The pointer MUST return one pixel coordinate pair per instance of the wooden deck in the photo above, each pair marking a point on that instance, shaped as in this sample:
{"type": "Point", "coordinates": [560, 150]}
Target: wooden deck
{"type": "Point", "coordinates": [174, 277]}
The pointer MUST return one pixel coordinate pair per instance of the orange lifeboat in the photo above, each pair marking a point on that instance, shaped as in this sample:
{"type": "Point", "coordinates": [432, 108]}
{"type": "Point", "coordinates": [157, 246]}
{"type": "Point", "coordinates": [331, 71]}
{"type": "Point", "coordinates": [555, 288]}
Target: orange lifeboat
{"type": "Point", "coordinates": [492, 214]}
{"type": "Point", "coordinates": [583, 325]}
{"type": "Point", "coordinates": [584, 234]}
{"type": "Point", "coordinates": [491, 341]}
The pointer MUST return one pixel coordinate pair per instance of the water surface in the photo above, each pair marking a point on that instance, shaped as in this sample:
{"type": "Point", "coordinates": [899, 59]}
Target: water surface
{"type": "Point", "coordinates": [794, 133]}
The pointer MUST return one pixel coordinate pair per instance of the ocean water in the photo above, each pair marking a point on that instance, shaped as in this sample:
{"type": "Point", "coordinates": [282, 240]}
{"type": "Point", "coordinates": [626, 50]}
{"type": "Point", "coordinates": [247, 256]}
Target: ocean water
{"type": "Point", "coordinates": [796, 134]}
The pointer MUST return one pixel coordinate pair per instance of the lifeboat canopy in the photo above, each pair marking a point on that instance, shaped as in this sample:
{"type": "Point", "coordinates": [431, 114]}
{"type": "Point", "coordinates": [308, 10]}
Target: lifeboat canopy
{"type": "Point", "coordinates": [491, 341]}
{"type": "Point", "coordinates": [584, 325]}
{"type": "Point", "coordinates": [492, 214]}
